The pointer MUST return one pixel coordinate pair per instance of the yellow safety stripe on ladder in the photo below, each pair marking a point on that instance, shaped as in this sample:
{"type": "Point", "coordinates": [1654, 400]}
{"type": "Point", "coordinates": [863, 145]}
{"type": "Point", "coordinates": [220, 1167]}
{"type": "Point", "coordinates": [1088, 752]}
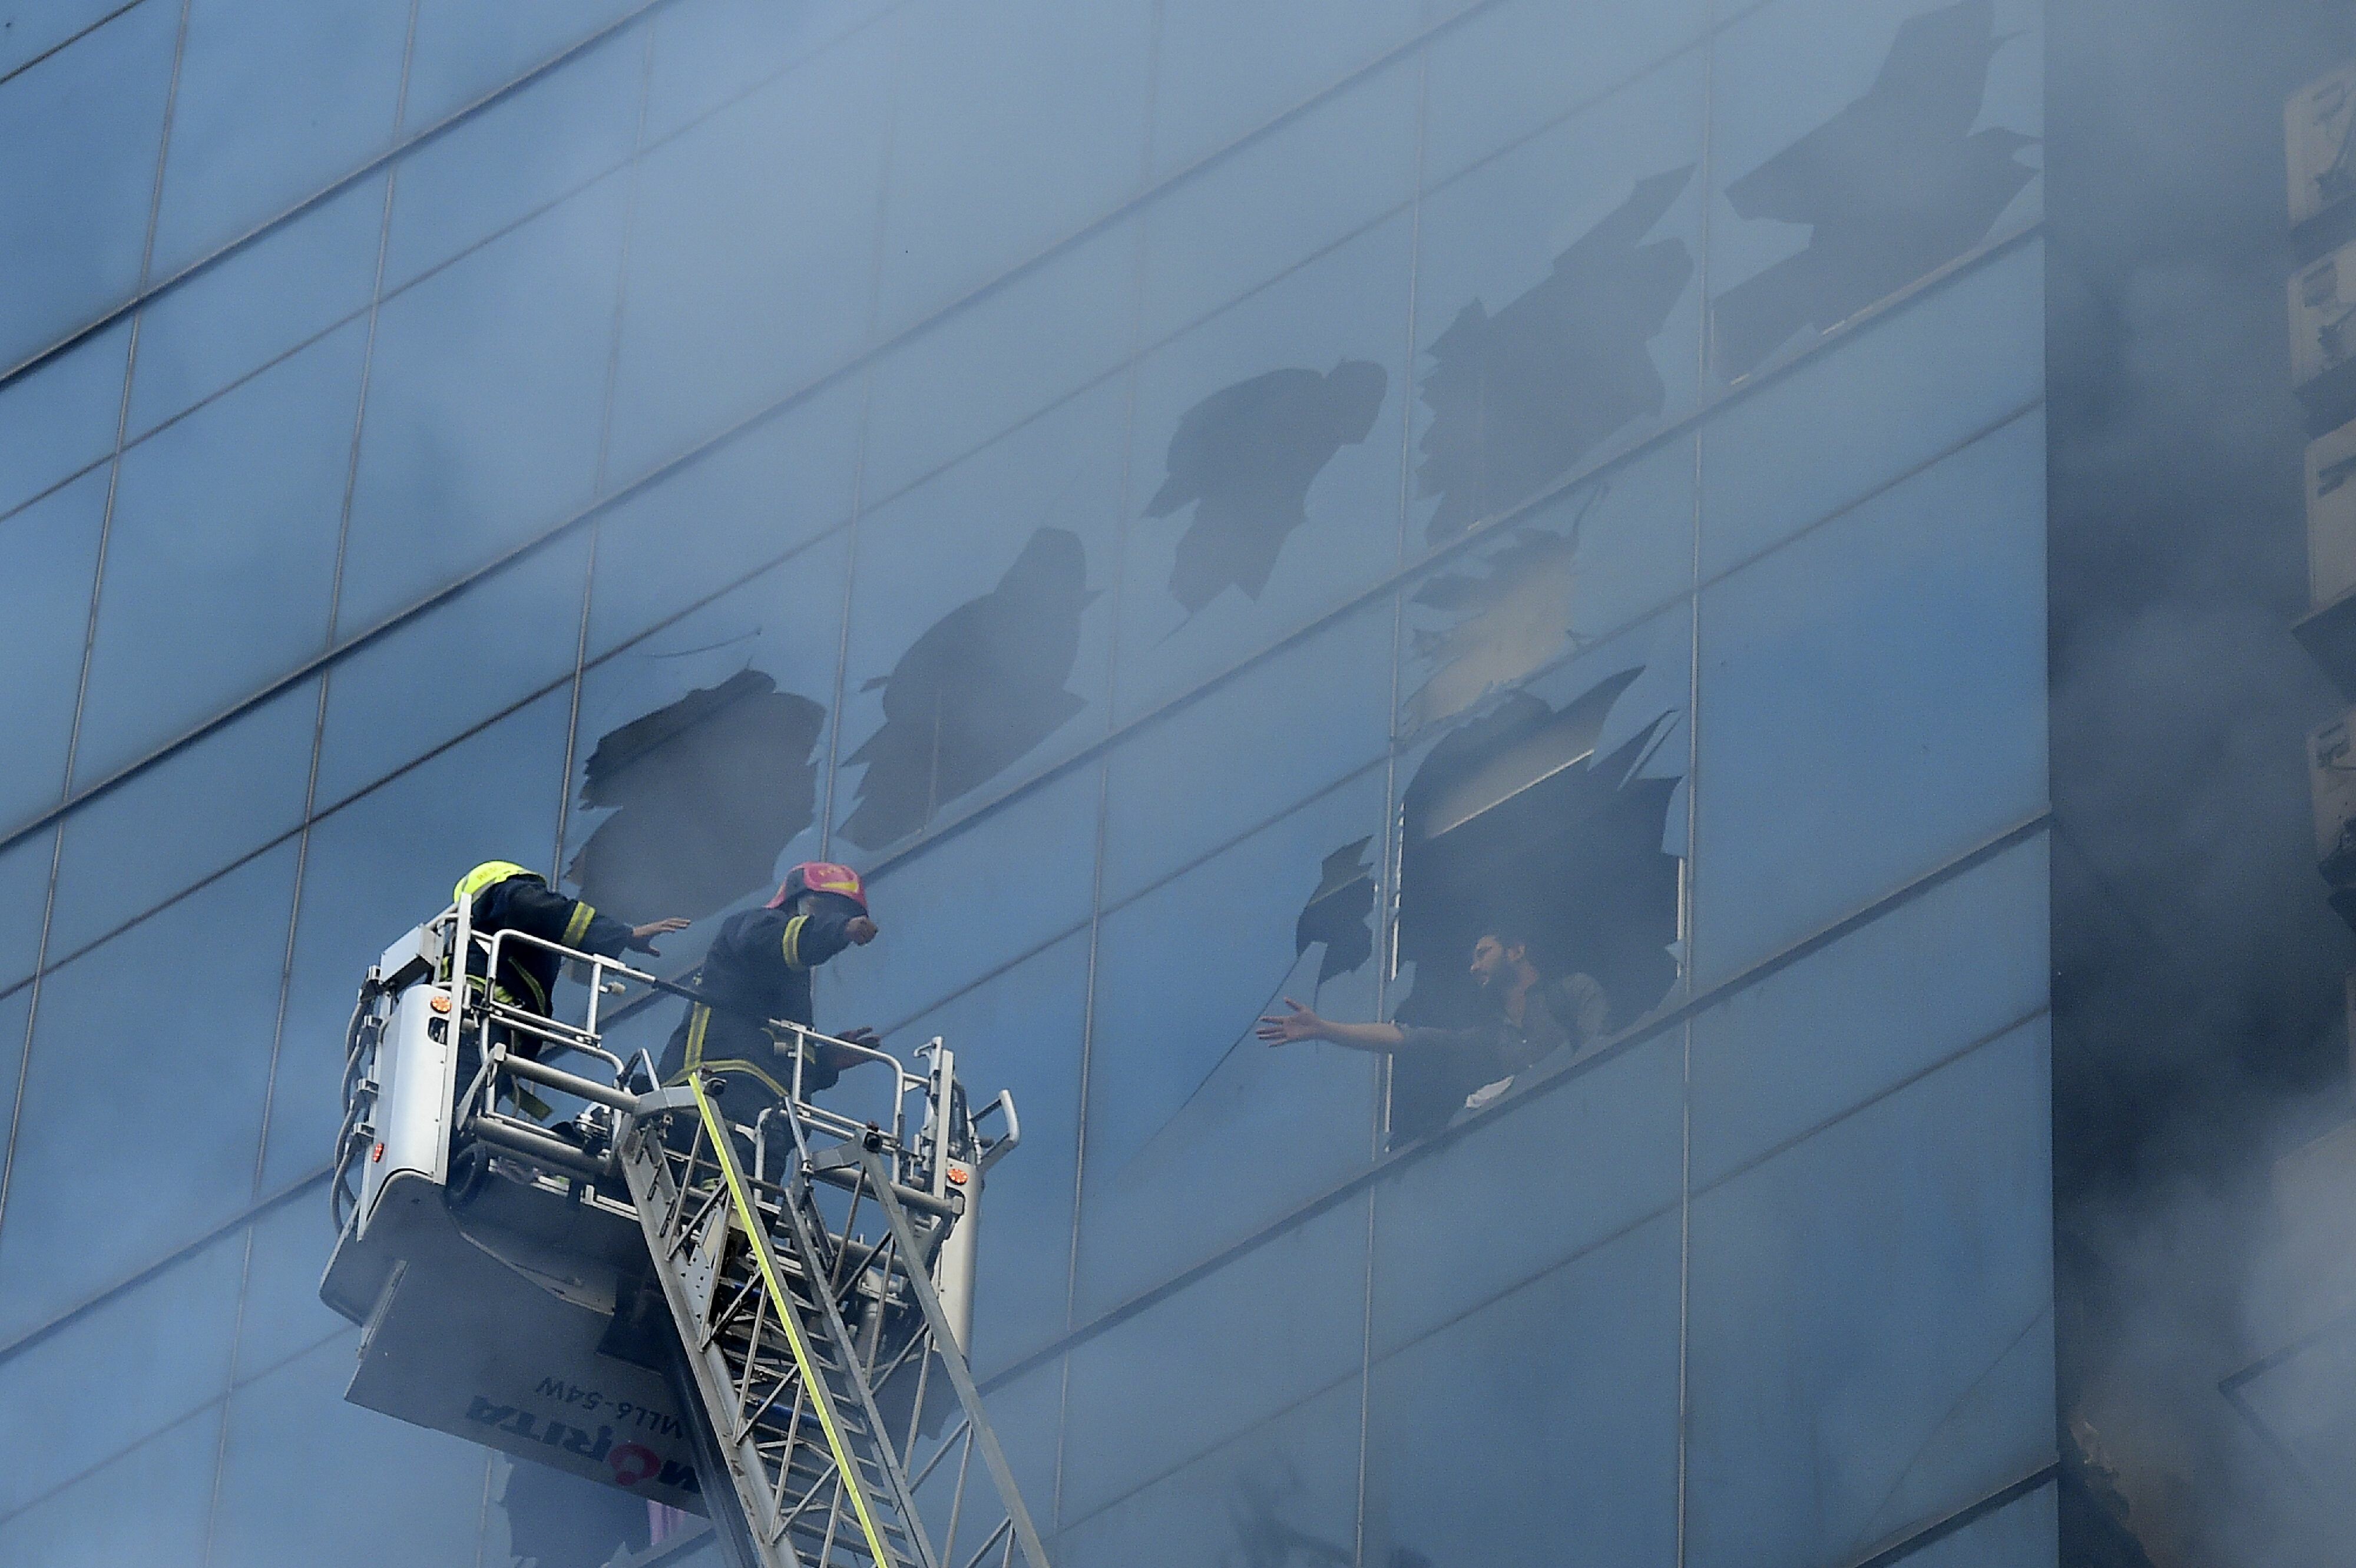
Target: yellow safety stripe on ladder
{"type": "Point", "coordinates": [822, 1398]}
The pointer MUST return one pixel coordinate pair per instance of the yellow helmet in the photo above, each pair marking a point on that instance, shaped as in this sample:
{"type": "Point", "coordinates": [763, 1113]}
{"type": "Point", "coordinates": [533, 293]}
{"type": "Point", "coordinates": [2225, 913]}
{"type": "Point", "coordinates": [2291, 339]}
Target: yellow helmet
{"type": "Point", "coordinates": [483, 876]}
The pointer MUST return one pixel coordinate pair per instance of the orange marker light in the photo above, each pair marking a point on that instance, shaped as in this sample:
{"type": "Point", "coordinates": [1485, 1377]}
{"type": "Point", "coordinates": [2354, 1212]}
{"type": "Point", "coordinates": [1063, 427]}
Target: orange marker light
{"type": "Point", "coordinates": [957, 1175]}
{"type": "Point", "coordinates": [377, 1155]}
{"type": "Point", "coordinates": [440, 1003]}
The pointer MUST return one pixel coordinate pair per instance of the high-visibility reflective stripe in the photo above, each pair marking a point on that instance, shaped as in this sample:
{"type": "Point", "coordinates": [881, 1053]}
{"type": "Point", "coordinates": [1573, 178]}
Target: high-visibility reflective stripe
{"type": "Point", "coordinates": [793, 940]}
{"type": "Point", "coordinates": [733, 1064]}
{"type": "Point", "coordinates": [822, 1401]}
{"type": "Point", "coordinates": [483, 876]}
{"type": "Point", "coordinates": [693, 1063]}
{"type": "Point", "coordinates": [539, 997]}
{"type": "Point", "coordinates": [500, 993]}
{"type": "Point", "coordinates": [578, 927]}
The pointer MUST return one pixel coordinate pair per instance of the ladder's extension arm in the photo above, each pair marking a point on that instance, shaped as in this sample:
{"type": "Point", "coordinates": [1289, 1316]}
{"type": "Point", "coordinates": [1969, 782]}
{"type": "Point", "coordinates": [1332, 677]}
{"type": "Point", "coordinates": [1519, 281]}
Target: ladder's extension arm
{"type": "Point", "coordinates": [822, 1397]}
{"type": "Point", "coordinates": [960, 1375]}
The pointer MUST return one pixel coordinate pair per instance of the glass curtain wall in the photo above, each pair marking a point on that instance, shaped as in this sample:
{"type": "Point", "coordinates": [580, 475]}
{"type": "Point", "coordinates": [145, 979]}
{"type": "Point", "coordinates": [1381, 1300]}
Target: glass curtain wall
{"type": "Point", "coordinates": [1203, 505]}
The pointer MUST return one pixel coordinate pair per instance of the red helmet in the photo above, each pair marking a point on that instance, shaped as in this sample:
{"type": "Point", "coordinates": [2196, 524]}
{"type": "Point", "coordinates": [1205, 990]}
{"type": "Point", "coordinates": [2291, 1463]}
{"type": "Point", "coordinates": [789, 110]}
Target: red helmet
{"type": "Point", "coordinates": [820, 876]}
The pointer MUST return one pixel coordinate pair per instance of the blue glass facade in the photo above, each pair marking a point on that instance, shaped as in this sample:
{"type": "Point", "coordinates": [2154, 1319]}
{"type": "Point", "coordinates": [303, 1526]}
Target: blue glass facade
{"type": "Point", "coordinates": [1201, 504]}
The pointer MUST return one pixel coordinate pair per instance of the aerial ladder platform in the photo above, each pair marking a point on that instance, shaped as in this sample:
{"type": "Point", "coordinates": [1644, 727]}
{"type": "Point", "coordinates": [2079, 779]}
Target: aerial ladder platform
{"type": "Point", "coordinates": [764, 1322]}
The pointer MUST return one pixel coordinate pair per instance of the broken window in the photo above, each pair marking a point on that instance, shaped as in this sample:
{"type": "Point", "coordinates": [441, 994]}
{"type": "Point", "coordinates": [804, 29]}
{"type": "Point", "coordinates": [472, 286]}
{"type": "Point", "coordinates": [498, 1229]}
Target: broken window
{"type": "Point", "coordinates": [1517, 398]}
{"type": "Point", "coordinates": [1514, 823]}
{"type": "Point", "coordinates": [1512, 609]}
{"type": "Point", "coordinates": [1891, 187]}
{"type": "Point", "coordinates": [984, 685]}
{"type": "Point", "coordinates": [1244, 458]}
{"type": "Point", "coordinates": [705, 792]}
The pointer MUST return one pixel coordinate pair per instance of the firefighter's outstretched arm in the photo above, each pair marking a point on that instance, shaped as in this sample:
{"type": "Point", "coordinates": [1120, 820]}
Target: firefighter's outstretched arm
{"type": "Point", "coordinates": [643, 937]}
{"type": "Point", "coordinates": [532, 905]}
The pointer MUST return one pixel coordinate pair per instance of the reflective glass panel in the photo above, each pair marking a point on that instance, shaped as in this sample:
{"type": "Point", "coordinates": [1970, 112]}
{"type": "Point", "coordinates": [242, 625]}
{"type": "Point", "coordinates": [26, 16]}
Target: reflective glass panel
{"type": "Point", "coordinates": [1305, 716]}
{"type": "Point", "coordinates": [198, 809]}
{"type": "Point", "coordinates": [283, 1315]}
{"type": "Point", "coordinates": [1857, 147]}
{"type": "Point", "coordinates": [51, 548]}
{"type": "Point", "coordinates": [60, 416]}
{"type": "Point", "coordinates": [532, 146]}
{"type": "Point", "coordinates": [380, 865]}
{"type": "Point", "coordinates": [1519, 66]}
{"type": "Point", "coordinates": [132, 1365]}
{"type": "Point", "coordinates": [1596, 1157]}
{"type": "Point", "coordinates": [709, 52]}
{"type": "Point", "coordinates": [262, 300]}
{"type": "Point", "coordinates": [1898, 393]}
{"type": "Point", "coordinates": [1225, 69]}
{"type": "Point", "coordinates": [15, 1016]}
{"type": "Point", "coordinates": [224, 541]}
{"type": "Point", "coordinates": [1965, 959]}
{"type": "Point", "coordinates": [1558, 314]}
{"type": "Point", "coordinates": [36, 26]}
{"type": "Point", "coordinates": [2019, 1535]}
{"type": "Point", "coordinates": [1542, 1428]}
{"type": "Point", "coordinates": [980, 624]}
{"type": "Point", "coordinates": [397, 1495]}
{"type": "Point", "coordinates": [1871, 1335]}
{"type": "Point", "coordinates": [24, 899]}
{"type": "Point", "coordinates": [1873, 701]}
{"type": "Point", "coordinates": [497, 641]}
{"type": "Point", "coordinates": [1285, 1492]}
{"type": "Point", "coordinates": [1261, 1334]}
{"type": "Point", "coordinates": [84, 127]}
{"type": "Point", "coordinates": [752, 254]}
{"type": "Point", "coordinates": [485, 397]}
{"type": "Point", "coordinates": [732, 510]}
{"type": "Point", "coordinates": [126, 1058]}
{"type": "Point", "coordinates": [276, 99]}
{"type": "Point", "coordinates": [1020, 1031]}
{"type": "Point", "coordinates": [1580, 565]}
{"type": "Point", "coordinates": [989, 365]}
{"type": "Point", "coordinates": [1198, 1134]}
{"type": "Point", "coordinates": [465, 51]}
{"type": "Point", "coordinates": [1280, 198]}
{"type": "Point", "coordinates": [1265, 483]}
{"type": "Point", "coordinates": [987, 170]}
{"type": "Point", "coordinates": [982, 895]}
{"type": "Point", "coordinates": [146, 1507]}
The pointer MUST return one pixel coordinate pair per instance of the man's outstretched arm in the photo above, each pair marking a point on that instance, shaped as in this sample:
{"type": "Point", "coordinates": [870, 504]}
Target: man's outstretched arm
{"type": "Point", "coordinates": [1300, 1023]}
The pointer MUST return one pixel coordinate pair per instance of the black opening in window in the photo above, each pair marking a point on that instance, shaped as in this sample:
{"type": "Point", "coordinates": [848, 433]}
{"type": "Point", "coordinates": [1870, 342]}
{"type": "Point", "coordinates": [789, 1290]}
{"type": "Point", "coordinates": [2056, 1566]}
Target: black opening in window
{"type": "Point", "coordinates": [1513, 824]}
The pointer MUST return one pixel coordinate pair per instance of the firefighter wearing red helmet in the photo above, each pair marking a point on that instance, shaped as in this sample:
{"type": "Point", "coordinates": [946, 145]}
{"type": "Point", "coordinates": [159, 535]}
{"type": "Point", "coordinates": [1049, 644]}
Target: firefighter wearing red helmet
{"type": "Point", "coordinates": [759, 968]}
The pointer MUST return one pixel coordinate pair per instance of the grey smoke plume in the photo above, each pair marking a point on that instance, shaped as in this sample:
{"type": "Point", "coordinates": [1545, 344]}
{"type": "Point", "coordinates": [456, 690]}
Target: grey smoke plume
{"type": "Point", "coordinates": [2197, 986]}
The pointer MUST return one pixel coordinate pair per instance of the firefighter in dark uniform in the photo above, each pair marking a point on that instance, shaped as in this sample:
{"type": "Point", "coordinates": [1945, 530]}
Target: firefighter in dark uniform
{"type": "Point", "coordinates": [505, 897]}
{"type": "Point", "coordinates": [760, 969]}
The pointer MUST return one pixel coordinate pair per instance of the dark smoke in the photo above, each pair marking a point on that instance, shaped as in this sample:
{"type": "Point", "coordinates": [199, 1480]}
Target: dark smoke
{"type": "Point", "coordinates": [2197, 983]}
